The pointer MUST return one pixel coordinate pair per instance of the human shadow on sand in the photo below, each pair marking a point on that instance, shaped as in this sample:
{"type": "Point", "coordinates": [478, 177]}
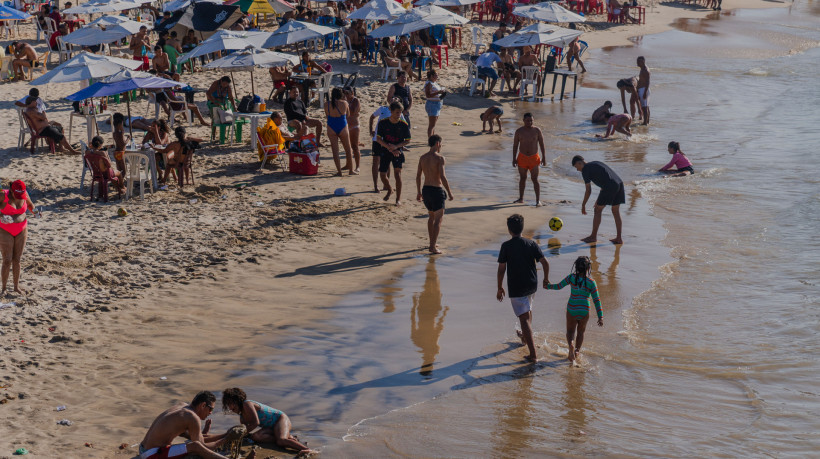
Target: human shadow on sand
{"type": "Point", "coordinates": [350, 264]}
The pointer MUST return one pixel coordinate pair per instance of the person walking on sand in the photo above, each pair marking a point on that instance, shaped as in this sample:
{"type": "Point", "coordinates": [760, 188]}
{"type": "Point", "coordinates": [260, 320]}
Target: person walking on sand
{"type": "Point", "coordinates": [517, 259]}
{"type": "Point", "coordinates": [574, 51]}
{"type": "Point", "coordinates": [434, 94]}
{"type": "Point", "coordinates": [393, 135]}
{"type": "Point", "coordinates": [381, 113]}
{"type": "Point", "coordinates": [183, 420]}
{"type": "Point", "coordinates": [612, 194]}
{"type": "Point", "coordinates": [528, 139]}
{"type": "Point", "coordinates": [431, 165]}
{"type": "Point", "coordinates": [401, 90]}
{"type": "Point", "coordinates": [582, 288]}
{"type": "Point", "coordinates": [620, 123]}
{"type": "Point", "coordinates": [643, 89]}
{"type": "Point", "coordinates": [683, 166]}
{"type": "Point", "coordinates": [13, 233]}
{"type": "Point", "coordinates": [264, 424]}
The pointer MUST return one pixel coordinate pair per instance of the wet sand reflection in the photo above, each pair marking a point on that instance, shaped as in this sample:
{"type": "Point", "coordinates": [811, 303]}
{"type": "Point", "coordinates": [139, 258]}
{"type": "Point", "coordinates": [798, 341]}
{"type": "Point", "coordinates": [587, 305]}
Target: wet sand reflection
{"type": "Point", "coordinates": [427, 319]}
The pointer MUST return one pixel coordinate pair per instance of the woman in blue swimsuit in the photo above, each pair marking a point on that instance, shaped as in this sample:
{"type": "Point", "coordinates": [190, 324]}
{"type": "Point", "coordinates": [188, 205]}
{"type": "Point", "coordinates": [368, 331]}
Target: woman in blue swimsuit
{"type": "Point", "coordinates": [337, 111]}
{"type": "Point", "coordinates": [274, 425]}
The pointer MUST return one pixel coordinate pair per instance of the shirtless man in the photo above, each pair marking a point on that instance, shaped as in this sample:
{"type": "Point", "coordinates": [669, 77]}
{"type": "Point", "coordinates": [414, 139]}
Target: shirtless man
{"type": "Point", "coordinates": [44, 128]}
{"type": "Point", "coordinates": [529, 59]}
{"type": "Point", "coordinates": [643, 89]}
{"type": "Point", "coordinates": [279, 76]}
{"type": "Point", "coordinates": [431, 165]}
{"type": "Point", "coordinates": [529, 139]}
{"type": "Point", "coordinates": [510, 72]}
{"type": "Point", "coordinates": [602, 114]}
{"type": "Point", "coordinates": [629, 85]}
{"type": "Point", "coordinates": [139, 46]}
{"type": "Point", "coordinates": [574, 50]}
{"type": "Point", "coordinates": [173, 41]}
{"type": "Point", "coordinates": [161, 62]}
{"type": "Point", "coordinates": [182, 420]}
{"type": "Point", "coordinates": [24, 57]}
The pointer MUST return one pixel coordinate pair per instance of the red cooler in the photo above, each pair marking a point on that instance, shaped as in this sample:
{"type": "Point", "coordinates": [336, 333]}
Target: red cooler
{"type": "Point", "coordinates": [303, 163]}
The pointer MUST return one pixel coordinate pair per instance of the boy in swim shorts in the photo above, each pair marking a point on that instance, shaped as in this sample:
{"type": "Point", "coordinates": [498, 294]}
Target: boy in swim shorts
{"type": "Point", "coordinates": [517, 259]}
{"type": "Point", "coordinates": [643, 89]}
{"type": "Point", "coordinates": [492, 113]}
{"type": "Point", "coordinates": [431, 165]}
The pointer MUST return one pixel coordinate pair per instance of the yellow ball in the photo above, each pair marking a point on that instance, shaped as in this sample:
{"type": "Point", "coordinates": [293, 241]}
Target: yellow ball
{"type": "Point", "coordinates": [122, 212]}
{"type": "Point", "coordinates": [556, 224]}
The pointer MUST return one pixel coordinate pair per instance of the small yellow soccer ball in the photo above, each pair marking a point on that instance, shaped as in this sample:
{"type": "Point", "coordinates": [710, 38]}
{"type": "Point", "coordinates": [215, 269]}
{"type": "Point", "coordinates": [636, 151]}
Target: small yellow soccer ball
{"type": "Point", "coordinates": [122, 212]}
{"type": "Point", "coordinates": [556, 224]}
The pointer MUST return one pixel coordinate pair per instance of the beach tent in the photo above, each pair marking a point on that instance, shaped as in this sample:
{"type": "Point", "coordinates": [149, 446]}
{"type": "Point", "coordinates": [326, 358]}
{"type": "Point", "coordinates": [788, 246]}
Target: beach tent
{"type": "Point", "coordinates": [11, 14]}
{"type": "Point", "coordinates": [378, 10]}
{"type": "Point", "coordinates": [418, 19]}
{"type": "Point", "coordinates": [547, 12]}
{"type": "Point", "coordinates": [123, 81]}
{"type": "Point", "coordinates": [227, 40]}
{"type": "Point", "coordinates": [85, 66]}
{"type": "Point", "coordinates": [251, 57]}
{"type": "Point", "coordinates": [295, 32]}
{"type": "Point", "coordinates": [539, 34]}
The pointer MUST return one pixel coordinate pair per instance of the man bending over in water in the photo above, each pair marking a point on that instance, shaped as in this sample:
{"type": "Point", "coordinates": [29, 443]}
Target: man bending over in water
{"type": "Point", "coordinates": [618, 123]}
{"type": "Point", "coordinates": [529, 139]}
{"type": "Point", "coordinates": [182, 420]}
{"type": "Point", "coordinates": [431, 165]}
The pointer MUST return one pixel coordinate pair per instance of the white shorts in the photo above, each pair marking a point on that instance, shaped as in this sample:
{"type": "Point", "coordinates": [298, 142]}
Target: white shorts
{"type": "Point", "coordinates": [522, 304]}
{"type": "Point", "coordinates": [164, 452]}
{"type": "Point", "coordinates": [643, 95]}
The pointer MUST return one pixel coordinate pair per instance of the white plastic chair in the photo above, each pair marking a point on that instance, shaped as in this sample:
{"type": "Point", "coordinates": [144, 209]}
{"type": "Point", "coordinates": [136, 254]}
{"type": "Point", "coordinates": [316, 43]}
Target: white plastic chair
{"type": "Point", "coordinates": [152, 100]}
{"type": "Point", "coordinates": [388, 71]}
{"type": "Point", "coordinates": [66, 50]}
{"type": "Point", "coordinates": [347, 48]}
{"type": "Point", "coordinates": [477, 41]}
{"type": "Point", "coordinates": [189, 117]}
{"type": "Point", "coordinates": [137, 172]}
{"type": "Point", "coordinates": [473, 80]}
{"type": "Point", "coordinates": [51, 27]}
{"type": "Point", "coordinates": [529, 77]}
{"type": "Point", "coordinates": [24, 130]}
{"type": "Point", "coordinates": [324, 88]}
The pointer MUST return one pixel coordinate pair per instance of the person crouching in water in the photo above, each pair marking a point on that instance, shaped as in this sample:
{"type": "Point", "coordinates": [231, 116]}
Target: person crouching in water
{"type": "Point", "coordinates": [679, 160]}
{"type": "Point", "coordinates": [264, 424]}
{"type": "Point", "coordinates": [582, 287]}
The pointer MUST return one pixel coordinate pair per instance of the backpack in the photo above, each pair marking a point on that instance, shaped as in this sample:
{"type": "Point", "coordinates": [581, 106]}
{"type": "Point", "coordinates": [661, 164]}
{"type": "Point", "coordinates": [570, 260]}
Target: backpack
{"type": "Point", "coordinates": [245, 105]}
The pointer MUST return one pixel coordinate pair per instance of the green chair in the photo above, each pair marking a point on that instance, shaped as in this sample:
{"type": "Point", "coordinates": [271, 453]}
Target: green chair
{"type": "Point", "coordinates": [236, 126]}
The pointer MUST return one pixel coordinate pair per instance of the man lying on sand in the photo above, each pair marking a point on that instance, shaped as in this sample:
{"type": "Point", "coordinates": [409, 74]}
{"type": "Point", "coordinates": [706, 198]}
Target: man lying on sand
{"type": "Point", "coordinates": [183, 421]}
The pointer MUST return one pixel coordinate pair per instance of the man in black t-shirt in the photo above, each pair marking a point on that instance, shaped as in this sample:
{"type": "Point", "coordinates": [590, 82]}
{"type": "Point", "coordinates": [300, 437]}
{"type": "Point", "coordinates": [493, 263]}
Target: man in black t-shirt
{"type": "Point", "coordinates": [296, 114]}
{"type": "Point", "coordinates": [612, 194]}
{"type": "Point", "coordinates": [393, 134]}
{"type": "Point", "coordinates": [517, 258]}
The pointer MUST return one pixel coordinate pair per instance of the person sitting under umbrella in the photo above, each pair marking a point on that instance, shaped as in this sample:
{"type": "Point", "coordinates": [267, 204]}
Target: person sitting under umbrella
{"type": "Point", "coordinates": [97, 153]}
{"type": "Point", "coordinates": [43, 128]}
{"type": "Point", "coordinates": [25, 57]}
{"type": "Point", "coordinates": [61, 31]}
{"type": "Point", "coordinates": [161, 62]}
{"type": "Point", "coordinates": [220, 93]}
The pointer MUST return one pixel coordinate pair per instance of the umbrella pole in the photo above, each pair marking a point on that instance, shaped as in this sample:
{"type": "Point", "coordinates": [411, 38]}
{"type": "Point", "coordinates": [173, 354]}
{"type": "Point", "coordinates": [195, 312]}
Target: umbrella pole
{"type": "Point", "coordinates": [130, 129]}
{"type": "Point", "coordinates": [253, 91]}
{"type": "Point", "coordinates": [233, 82]}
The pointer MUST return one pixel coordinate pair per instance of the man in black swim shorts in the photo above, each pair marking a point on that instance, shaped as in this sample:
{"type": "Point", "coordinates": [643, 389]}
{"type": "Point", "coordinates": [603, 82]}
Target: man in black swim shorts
{"type": "Point", "coordinates": [612, 194]}
{"type": "Point", "coordinates": [393, 134]}
{"type": "Point", "coordinates": [431, 165]}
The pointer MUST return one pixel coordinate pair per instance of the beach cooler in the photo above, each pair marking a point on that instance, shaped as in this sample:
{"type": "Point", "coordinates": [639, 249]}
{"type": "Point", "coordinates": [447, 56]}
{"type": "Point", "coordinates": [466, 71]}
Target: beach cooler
{"type": "Point", "coordinates": [306, 161]}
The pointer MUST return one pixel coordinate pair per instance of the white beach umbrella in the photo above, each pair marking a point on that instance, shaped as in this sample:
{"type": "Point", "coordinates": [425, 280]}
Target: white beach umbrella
{"type": "Point", "coordinates": [90, 36]}
{"type": "Point", "coordinates": [378, 10]}
{"type": "Point", "coordinates": [102, 7]}
{"type": "Point", "coordinates": [226, 40]}
{"type": "Point", "coordinates": [417, 19]}
{"type": "Point", "coordinates": [84, 66]}
{"type": "Point", "coordinates": [547, 12]}
{"type": "Point", "coordinates": [116, 20]}
{"type": "Point", "coordinates": [251, 57]}
{"type": "Point", "coordinates": [295, 32]}
{"type": "Point", "coordinates": [447, 2]}
{"type": "Point", "coordinates": [539, 34]}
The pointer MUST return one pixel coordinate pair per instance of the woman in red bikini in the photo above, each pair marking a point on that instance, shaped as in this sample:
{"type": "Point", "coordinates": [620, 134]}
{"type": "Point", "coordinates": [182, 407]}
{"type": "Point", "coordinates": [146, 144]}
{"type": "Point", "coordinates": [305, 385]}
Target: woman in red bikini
{"type": "Point", "coordinates": [13, 221]}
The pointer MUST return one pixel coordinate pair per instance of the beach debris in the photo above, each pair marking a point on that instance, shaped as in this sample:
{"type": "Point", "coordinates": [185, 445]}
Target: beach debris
{"type": "Point", "coordinates": [456, 123]}
{"type": "Point", "coordinates": [51, 329]}
{"type": "Point", "coordinates": [64, 422]}
{"type": "Point", "coordinates": [89, 445]}
{"type": "Point", "coordinates": [224, 196]}
{"type": "Point", "coordinates": [122, 212]}
{"type": "Point", "coordinates": [234, 440]}
{"type": "Point", "coordinates": [259, 204]}
{"type": "Point", "coordinates": [7, 305]}
{"type": "Point", "coordinates": [61, 408]}
{"type": "Point", "coordinates": [193, 201]}
{"type": "Point", "coordinates": [5, 386]}
{"type": "Point", "coordinates": [20, 451]}
{"type": "Point", "coordinates": [123, 445]}
{"type": "Point", "coordinates": [163, 378]}
{"type": "Point", "coordinates": [241, 186]}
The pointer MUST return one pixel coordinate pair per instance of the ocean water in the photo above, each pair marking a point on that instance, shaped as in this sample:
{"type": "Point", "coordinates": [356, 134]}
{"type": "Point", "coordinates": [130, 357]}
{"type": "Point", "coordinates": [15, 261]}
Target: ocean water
{"type": "Point", "coordinates": [710, 343]}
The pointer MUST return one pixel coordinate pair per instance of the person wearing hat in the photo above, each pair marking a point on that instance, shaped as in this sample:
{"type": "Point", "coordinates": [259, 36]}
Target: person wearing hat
{"type": "Point", "coordinates": [13, 220]}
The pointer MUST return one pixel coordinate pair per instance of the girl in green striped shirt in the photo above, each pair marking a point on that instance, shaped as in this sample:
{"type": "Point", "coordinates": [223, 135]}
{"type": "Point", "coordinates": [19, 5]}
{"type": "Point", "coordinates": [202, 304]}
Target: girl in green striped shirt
{"type": "Point", "coordinates": [582, 289]}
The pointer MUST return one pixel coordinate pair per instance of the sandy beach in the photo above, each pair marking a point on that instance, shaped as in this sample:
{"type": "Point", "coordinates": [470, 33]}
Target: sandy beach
{"type": "Point", "coordinates": [126, 315]}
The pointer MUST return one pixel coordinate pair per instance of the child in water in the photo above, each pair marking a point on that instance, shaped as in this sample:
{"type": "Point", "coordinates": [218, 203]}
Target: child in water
{"type": "Point", "coordinates": [620, 123]}
{"type": "Point", "coordinates": [582, 288]}
{"type": "Point", "coordinates": [491, 114]}
{"type": "Point", "coordinates": [274, 425]}
{"type": "Point", "coordinates": [679, 160]}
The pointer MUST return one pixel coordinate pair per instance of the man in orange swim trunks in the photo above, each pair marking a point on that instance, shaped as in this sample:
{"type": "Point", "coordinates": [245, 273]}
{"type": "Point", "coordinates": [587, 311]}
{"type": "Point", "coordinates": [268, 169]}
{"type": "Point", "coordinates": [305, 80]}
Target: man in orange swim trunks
{"type": "Point", "coordinates": [528, 139]}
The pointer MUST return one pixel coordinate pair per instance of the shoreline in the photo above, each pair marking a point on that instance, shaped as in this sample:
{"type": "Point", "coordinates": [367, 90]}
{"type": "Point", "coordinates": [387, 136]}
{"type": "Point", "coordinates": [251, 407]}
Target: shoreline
{"type": "Point", "coordinates": [104, 332]}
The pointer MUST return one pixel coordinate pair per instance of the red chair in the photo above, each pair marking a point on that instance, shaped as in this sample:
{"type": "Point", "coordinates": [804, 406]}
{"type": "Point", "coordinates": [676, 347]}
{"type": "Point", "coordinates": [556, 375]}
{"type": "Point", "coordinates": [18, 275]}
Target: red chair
{"type": "Point", "coordinates": [35, 137]}
{"type": "Point", "coordinates": [100, 173]}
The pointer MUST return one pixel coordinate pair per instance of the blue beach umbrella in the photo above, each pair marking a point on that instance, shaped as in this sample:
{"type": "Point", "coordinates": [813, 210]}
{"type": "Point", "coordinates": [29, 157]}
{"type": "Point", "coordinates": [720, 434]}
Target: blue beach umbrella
{"type": "Point", "coordinates": [123, 81]}
{"type": "Point", "coordinates": [11, 14]}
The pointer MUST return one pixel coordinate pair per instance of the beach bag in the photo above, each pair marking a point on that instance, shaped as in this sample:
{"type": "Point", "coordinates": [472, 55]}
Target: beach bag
{"type": "Point", "coordinates": [224, 116]}
{"type": "Point", "coordinates": [307, 144]}
{"type": "Point", "coordinates": [245, 104]}
{"type": "Point", "coordinates": [326, 66]}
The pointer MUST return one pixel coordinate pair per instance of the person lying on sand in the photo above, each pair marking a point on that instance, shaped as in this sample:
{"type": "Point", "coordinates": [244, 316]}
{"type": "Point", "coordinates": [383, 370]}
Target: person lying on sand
{"type": "Point", "coordinates": [264, 424]}
{"type": "Point", "coordinates": [183, 421]}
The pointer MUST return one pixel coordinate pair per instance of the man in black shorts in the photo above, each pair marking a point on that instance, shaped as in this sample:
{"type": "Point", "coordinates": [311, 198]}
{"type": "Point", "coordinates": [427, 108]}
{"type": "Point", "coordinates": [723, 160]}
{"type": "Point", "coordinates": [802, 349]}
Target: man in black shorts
{"type": "Point", "coordinates": [393, 135]}
{"type": "Point", "coordinates": [612, 194]}
{"type": "Point", "coordinates": [431, 165]}
{"type": "Point", "coordinates": [44, 128]}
